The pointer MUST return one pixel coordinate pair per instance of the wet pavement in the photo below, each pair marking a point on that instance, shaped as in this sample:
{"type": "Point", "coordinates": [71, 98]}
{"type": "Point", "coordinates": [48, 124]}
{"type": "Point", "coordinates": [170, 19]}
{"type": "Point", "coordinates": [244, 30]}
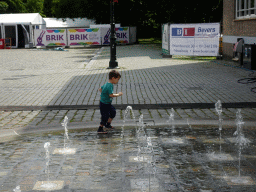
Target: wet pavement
{"type": "Point", "coordinates": [144, 159]}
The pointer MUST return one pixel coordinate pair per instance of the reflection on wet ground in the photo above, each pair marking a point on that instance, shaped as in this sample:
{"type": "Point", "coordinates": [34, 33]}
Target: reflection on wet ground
{"type": "Point", "coordinates": [150, 159]}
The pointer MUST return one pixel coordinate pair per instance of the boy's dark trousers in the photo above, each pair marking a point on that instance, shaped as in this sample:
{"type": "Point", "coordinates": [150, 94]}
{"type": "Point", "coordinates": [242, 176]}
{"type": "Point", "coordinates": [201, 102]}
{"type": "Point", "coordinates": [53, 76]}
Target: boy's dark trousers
{"type": "Point", "coordinates": [107, 111]}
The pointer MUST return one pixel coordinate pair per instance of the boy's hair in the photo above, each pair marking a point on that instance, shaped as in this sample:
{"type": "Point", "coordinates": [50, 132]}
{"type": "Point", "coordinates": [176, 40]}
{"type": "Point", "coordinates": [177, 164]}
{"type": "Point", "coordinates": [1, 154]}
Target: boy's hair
{"type": "Point", "coordinates": [114, 74]}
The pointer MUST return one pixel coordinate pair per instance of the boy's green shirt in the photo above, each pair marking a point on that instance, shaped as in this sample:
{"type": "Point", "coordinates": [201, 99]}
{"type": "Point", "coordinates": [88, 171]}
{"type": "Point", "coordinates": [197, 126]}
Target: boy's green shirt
{"type": "Point", "coordinates": [107, 89]}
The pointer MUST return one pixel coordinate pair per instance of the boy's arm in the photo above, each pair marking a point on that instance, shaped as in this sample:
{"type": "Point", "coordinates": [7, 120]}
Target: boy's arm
{"type": "Point", "coordinates": [100, 90]}
{"type": "Point", "coordinates": [116, 95]}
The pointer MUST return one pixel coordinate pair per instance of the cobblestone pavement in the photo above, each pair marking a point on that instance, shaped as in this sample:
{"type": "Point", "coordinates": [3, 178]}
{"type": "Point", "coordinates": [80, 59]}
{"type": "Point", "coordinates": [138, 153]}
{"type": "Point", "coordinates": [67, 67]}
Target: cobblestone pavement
{"type": "Point", "coordinates": [72, 77]}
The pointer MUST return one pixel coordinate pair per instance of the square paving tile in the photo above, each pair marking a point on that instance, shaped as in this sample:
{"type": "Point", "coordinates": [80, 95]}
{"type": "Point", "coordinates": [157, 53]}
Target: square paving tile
{"type": "Point", "coordinates": [173, 140]}
{"type": "Point", "coordinates": [48, 186]}
{"type": "Point", "coordinates": [144, 183]}
{"type": "Point", "coordinates": [233, 140]}
{"type": "Point", "coordinates": [3, 173]}
{"type": "Point", "coordinates": [220, 157]}
{"type": "Point", "coordinates": [243, 180]}
{"type": "Point", "coordinates": [64, 151]}
{"type": "Point", "coordinates": [215, 140]}
{"type": "Point", "coordinates": [143, 158]}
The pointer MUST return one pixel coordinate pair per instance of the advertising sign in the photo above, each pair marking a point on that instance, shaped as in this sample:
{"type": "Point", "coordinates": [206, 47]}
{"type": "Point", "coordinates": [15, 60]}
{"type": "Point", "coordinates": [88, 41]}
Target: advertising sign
{"type": "Point", "coordinates": [122, 35]}
{"type": "Point", "coordinates": [50, 37]}
{"type": "Point", "coordinates": [195, 39]}
{"type": "Point", "coordinates": [84, 36]}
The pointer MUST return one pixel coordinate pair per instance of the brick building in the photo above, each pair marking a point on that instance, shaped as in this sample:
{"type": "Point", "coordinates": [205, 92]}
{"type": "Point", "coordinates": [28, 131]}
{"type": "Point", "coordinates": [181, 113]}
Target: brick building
{"type": "Point", "coordinates": [239, 21]}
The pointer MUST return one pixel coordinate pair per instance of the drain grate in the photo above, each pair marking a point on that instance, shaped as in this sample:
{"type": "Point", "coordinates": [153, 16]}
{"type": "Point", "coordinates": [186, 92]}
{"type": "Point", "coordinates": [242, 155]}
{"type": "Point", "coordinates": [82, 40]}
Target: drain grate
{"type": "Point", "coordinates": [146, 122]}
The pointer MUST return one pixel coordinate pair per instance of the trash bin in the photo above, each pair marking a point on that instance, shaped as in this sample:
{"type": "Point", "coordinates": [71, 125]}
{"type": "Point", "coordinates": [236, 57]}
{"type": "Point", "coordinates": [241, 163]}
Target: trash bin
{"type": "Point", "coordinates": [249, 57]}
{"type": "Point", "coordinates": [1, 43]}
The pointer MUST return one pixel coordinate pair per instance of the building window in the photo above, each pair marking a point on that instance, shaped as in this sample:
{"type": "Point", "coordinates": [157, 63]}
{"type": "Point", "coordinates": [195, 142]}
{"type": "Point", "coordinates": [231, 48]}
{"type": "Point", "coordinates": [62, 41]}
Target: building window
{"type": "Point", "coordinates": [245, 9]}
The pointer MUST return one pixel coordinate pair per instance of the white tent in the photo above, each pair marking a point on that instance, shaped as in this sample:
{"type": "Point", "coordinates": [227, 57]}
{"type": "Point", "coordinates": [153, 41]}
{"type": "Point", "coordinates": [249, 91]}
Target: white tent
{"type": "Point", "coordinates": [20, 27]}
{"type": "Point", "coordinates": [69, 23]}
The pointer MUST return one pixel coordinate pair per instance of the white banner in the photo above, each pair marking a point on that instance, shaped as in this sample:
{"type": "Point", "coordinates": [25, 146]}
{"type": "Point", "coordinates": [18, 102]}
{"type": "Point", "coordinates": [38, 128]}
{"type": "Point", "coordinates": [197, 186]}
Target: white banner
{"type": "Point", "coordinates": [122, 35]}
{"type": "Point", "coordinates": [50, 37]}
{"type": "Point", "coordinates": [89, 36]}
{"type": "Point", "coordinates": [195, 39]}
{"type": "Point", "coordinates": [165, 38]}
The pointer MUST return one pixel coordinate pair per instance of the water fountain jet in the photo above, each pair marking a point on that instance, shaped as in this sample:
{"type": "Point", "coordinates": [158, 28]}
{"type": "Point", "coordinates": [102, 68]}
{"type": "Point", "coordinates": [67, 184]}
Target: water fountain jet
{"type": "Point", "coordinates": [218, 108]}
{"type": "Point", "coordinates": [66, 150]}
{"type": "Point", "coordinates": [171, 121]}
{"type": "Point", "coordinates": [241, 141]}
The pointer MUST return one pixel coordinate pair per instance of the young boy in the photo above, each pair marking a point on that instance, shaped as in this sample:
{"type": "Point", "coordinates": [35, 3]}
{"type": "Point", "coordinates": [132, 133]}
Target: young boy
{"type": "Point", "coordinates": [107, 111]}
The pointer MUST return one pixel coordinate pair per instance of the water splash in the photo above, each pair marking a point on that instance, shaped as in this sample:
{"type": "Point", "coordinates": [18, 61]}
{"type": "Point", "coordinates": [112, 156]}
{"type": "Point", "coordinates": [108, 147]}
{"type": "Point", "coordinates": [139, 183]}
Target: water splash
{"type": "Point", "coordinates": [46, 146]}
{"type": "Point", "coordinates": [65, 125]}
{"type": "Point", "coordinates": [171, 120]}
{"type": "Point", "coordinates": [17, 189]}
{"type": "Point", "coordinates": [189, 125]}
{"type": "Point", "coordinates": [145, 146]}
{"type": "Point", "coordinates": [128, 108]}
{"type": "Point", "coordinates": [138, 135]}
{"type": "Point", "coordinates": [218, 108]}
{"type": "Point", "coordinates": [48, 185]}
{"type": "Point", "coordinates": [241, 141]}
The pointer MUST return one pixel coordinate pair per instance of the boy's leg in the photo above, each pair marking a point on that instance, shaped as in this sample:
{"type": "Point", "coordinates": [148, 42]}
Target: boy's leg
{"type": "Point", "coordinates": [109, 120]}
{"type": "Point", "coordinates": [104, 118]}
{"type": "Point", "coordinates": [112, 115]}
{"type": "Point", "coordinates": [104, 111]}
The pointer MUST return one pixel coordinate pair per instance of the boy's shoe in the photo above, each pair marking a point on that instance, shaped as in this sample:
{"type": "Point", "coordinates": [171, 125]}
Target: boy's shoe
{"type": "Point", "coordinates": [109, 126]}
{"type": "Point", "coordinates": [101, 131]}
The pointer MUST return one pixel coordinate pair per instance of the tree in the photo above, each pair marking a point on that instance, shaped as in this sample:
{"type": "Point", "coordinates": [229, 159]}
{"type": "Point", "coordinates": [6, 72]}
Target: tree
{"type": "Point", "coordinates": [35, 6]}
{"type": "Point", "coordinates": [47, 8]}
{"type": "Point", "coordinates": [15, 6]}
{"type": "Point", "coordinates": [24, 6]}
{"type": "Point", "coordinates": [3, 6]}
{"type": "Point", "coordinates": [146, 15]}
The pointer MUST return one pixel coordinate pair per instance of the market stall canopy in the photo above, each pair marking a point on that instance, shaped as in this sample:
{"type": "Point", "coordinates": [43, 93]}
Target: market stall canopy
{"type": "Point", "coordinates": [33, 18]}
{"type": "Point", "coordinates": [68, 23]}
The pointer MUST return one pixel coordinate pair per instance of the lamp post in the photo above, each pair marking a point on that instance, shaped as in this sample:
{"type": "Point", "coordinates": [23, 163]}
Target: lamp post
{"type": "Point", "coordinates": [112, 63]}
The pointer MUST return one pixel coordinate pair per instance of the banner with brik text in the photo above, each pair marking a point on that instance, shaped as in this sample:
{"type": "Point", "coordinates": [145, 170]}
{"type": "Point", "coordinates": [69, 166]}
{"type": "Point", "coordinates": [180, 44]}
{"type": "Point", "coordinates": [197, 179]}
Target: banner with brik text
{"type": "Point", "coordinates": [122, 35]}
{"type": "Point", "coordinates": [50, 37]}
{"type": "Point", "coordinates": [84, 36]}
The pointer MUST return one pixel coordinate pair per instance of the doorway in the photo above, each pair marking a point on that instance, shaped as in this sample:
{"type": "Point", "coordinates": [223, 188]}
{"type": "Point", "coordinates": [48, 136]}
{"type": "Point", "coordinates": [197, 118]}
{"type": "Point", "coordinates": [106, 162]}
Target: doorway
{"type": "Point", "coordinates": [10, 32]}
{"type": "Point", "coordinates": [21, 39]}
